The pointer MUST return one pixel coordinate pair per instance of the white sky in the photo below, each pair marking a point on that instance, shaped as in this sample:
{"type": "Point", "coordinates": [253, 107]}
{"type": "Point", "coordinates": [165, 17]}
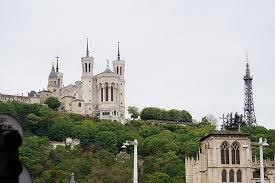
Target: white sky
{"type": "Point", "coordinates": [179, 54]}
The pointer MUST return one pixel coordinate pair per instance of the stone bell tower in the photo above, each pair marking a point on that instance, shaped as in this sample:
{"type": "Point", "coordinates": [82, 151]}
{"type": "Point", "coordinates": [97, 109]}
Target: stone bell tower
{"type": "Point", "coordinates": [86, 78]}
{"type": "Point", "coordinates": [119, 69]}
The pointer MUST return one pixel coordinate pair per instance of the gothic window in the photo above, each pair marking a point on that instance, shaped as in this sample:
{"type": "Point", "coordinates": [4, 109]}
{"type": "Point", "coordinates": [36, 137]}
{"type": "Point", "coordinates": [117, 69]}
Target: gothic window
{"type": "Point", "coordinates": [231, 176]}
{"type": "Point", "coordinates": [117, 70]}
{"type": "Point", "coordinates": [105, 113]}
{"type": "Point", "coordinates": [85, 67]}
{"type": "Point", "coordinates": [58, 82]}
{"type": "Point", "coordinates": [225, 153]}
{"type": "Point", "coordinates": [106, 93]}
{"type": "Point", "coordinates": [120, 70]}
{"type": "Point", "coordinates": [239, 176]}
{"type": "Point", "coordinates": [235, 152]}
{"type": "Point", "coordinates": [224, 176]}
{"type": "Point", "coordinates": [79, 104]}
{"type": "Point", "coordinates": [112, 93]}
{"type": "Point", "coordinates": [89, 67]}
{"type": "Point", "coordinates": [115, 113]}
{"type": "Point", "coordinates": [101, 94]}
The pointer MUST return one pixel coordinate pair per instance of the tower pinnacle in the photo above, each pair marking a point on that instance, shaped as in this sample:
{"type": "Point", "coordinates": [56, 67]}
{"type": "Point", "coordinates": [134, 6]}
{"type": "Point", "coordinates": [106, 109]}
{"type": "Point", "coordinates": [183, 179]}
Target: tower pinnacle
{"type": "Point", "coordinates": [118, 52]}
{"type": "Point", "coordinates": [87, 50]}
{"type": "Point", "coordinates": [53, 70]}
{"type": "Point", "coordinates": [57, 67]}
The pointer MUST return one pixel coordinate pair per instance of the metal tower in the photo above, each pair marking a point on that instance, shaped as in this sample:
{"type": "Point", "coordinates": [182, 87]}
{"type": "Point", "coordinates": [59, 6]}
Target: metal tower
{"type": "Point", "coordinates": [249, 111]}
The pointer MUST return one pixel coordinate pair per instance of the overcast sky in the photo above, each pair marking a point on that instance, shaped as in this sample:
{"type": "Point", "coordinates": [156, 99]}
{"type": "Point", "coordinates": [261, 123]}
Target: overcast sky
{"type": "Point", "coordinates": [179, 54]}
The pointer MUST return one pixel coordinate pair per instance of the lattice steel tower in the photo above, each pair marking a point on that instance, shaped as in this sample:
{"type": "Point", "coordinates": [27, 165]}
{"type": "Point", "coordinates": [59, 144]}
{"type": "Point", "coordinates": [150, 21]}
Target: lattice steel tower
{"type": "Point", "coordinates": [249, 111]}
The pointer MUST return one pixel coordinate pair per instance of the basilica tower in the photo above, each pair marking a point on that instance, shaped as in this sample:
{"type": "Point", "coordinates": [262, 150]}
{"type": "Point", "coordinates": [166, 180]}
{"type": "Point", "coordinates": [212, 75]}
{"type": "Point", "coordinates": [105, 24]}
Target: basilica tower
{"type": "Point", "coordinates": [119, 68]}
{"type": "Point", "coordinates": [86, 78]}
{"type": "Point", "coordinates": [55, 80]}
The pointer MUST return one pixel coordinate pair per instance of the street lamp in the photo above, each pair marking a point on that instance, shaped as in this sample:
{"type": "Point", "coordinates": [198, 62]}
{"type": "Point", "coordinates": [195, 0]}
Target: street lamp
{"type": "Point", "coordinates": [135, 144]}
{"type": "Point", "coordinates": [261, 144]}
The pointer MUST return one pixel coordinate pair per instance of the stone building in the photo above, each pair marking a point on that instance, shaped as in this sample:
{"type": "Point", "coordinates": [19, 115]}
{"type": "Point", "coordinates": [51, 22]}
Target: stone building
{"type": "Point", "coordinates": [32, 98]}
{"type": "Point", "coordinates": [98, 95]}
{"type": "Point", "coordinates": [226, 156]}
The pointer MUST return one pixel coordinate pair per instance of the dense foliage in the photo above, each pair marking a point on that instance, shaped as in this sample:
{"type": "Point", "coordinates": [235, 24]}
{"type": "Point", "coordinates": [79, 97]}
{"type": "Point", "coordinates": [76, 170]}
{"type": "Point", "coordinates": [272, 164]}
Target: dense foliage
{"type": "Point", "coordinates": [134, 112]}
{"type": "Point", "coordinates": [162, 148]}
{"type": "Point", "coordinates": [53, 102]}
{"type": "Point", "coordinates": [154, 113]}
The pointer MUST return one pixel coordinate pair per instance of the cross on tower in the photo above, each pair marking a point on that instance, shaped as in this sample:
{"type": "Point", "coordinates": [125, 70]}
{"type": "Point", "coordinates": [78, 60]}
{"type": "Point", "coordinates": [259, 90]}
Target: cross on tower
{"type": "Point", "coordinates": [107, 60]}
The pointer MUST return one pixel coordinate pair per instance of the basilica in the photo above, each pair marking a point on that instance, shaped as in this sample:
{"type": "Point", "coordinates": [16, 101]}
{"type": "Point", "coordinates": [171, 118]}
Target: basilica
{"type": "Point", "coordinates": [226, 157]}
{"type": "Point", "coordinates": [97, 95]}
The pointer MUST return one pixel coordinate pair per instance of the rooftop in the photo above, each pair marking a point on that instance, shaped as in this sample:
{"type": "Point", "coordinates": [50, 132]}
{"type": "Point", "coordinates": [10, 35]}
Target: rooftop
{"type": "Point", "coordinates": [225, 133]}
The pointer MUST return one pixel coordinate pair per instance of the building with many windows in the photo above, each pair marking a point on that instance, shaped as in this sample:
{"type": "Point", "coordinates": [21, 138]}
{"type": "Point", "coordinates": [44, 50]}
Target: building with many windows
{"type": "Point", "coordinates": [226, 157]}
{"type": "Point", "coordinates": [97, 95]}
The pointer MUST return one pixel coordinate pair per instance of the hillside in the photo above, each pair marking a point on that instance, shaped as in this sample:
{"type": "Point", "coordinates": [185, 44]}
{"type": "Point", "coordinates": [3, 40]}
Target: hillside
{"type": "Point", "coordinates": [162, 148]}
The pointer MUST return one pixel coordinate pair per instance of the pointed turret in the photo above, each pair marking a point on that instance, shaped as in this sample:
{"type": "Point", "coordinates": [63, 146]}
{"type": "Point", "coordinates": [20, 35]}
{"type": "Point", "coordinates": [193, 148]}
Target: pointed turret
{"type": "Point", "coordinates": [57, 67]}
{"type": "Point", "coordinates": [118, 52]}
{"type": "Point", "coordinates": [53, 70]}
{"type": "Point", "coordinates": [87, 49]}
{"type": "Point", "coordinates": [87, 63]}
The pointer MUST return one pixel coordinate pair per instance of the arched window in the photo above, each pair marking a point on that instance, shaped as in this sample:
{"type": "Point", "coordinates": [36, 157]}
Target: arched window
{"type": "Point", "coordinates": [106, 93]}
{"type": "Point", "coordinates": [235, 152]}
{"type": "Point", "coordinates": [112, 93]}
{"type": "Point", "coordinates": [117, 70]}
{"type": "Point", "coordinates": [224, 176]}
{"type": "Point", "coordinates": [239, 176]}
{"type": "Point", "coordinates": [224, 153]}
{"type": "Point", "coordinates": [101, 94]}
{"type": "Point", "coordinates": [120, 70]}
{"type": "Point", "coordinates": [85, 67]}
{"type": "Point", "coordinates": [89, 67]}
{"type": "Point", "coordinates": [231, 176]}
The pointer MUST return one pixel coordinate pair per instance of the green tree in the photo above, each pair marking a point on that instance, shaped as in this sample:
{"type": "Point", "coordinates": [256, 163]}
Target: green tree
{"type": "Point", "coordinates": [33, 153]}
{"type": "Point", "coordinates": [159, 177]}
{"type": "Point", "coordinates": [53, 103]}
{"type": "Point", "coordinates": [134, 112]}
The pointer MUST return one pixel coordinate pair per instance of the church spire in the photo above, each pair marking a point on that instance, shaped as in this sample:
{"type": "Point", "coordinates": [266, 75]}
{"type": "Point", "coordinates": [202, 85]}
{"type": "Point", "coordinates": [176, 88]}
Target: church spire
{"type": "Point", "coordinates": [53, 70]}
{"type": "Point", "coordinates": [57, 67]}
{"type": "Point", "coordinates": [87, 49]}
{"type": "Point", "coordinates": [118, 52]}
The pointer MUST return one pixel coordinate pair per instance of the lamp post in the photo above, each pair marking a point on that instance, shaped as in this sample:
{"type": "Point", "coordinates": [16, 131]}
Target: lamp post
{"type": "Point", "coordinates": [261, 144]}
{"type": "Point", "coordinates": [135, 144]}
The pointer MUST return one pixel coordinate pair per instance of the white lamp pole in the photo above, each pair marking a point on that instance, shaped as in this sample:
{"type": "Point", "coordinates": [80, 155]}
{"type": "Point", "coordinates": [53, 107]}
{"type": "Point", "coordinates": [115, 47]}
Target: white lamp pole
{"type": "Point", "coordinates": [261, 144]}
{"type": "Point", "coordinates": [261, 160]}
{"type": "Point", "coordinates": [135, 144]}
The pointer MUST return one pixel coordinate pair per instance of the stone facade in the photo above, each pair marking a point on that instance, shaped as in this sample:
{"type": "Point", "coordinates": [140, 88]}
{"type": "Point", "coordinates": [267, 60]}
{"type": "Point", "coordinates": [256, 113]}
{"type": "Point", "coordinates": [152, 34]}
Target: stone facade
{"type": "Point", "coordinates": [100, 95]}
{"type": "Point", "coordinates": [32, 98]}
{"type": "Point", "coordinates": [226, 156]}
